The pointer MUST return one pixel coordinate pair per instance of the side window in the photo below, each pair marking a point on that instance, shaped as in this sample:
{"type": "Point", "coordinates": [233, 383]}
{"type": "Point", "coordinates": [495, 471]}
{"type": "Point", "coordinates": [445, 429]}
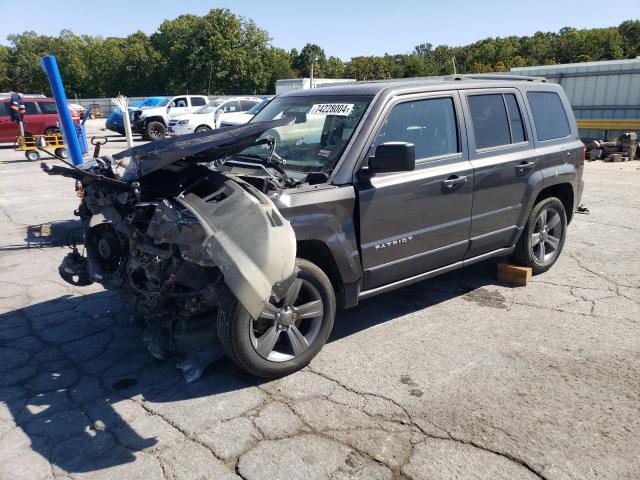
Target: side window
{"type": "Point", "coordinates": [429, 124]}
{"type": "Point", "coordinates": [179, 102]}
{"type": "Point", "coordinates": [490, 121]}
{"type": "Point", "coordinates": [247, 105]}
{"type": "Point", "coordinates": [549, 115]}
{"type": "Point", "coordinates": [48, 107]}
{"type": "Point", "coordinates": [31, 108]}
{"type": "Point", "coordinates": [197, 101]}
{"type": "Point", "coordinates": [4, 109]}
{"type": "Point", "coordinates": [515, 119]}
{"type": "Point", "coordinates": [232, 106]}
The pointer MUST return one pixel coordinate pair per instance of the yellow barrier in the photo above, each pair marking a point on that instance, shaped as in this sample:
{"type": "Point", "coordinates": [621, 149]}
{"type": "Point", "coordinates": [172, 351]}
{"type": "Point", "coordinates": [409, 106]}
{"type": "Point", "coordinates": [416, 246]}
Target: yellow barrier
{"type": "Point", "coordinates": [630, 124]}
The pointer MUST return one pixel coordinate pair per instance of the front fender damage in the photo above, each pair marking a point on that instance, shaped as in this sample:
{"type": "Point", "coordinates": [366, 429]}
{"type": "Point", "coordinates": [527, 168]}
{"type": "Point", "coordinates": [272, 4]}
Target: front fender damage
{"type": "Point", "coordinates": [247, 238]}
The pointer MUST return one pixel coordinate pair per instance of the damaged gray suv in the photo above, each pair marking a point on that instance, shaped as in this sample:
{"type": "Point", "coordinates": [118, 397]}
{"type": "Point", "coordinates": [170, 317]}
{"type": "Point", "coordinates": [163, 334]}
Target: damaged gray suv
{"type": "Point", "coordinates": [248, 237]}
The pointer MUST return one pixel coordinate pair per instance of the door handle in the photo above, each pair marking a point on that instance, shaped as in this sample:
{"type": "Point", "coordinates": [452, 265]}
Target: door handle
{"type": "Point", "coordinates": [524, 166]}
{"type": "Point", "coordinates": [454, 180]}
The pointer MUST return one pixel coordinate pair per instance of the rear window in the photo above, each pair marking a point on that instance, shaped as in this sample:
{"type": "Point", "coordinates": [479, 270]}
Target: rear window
{"type": "Point", "coordinates": [548, 115]}
{"type": "Point", "coordinates": [48, 107]}
{"type": "Point", "coordinates": [490, 121]}
{"type": "Point", "coordinates": [31, 108]}
{"type": "Point", "coordinates": [4, 109]}
{"type": "Point", "coordinates": [198, 101]}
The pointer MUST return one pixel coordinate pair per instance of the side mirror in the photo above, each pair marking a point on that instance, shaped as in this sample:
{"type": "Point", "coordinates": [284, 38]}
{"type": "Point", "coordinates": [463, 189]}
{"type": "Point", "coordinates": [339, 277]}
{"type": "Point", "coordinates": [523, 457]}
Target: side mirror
{"type": "Point", "coordinates": [393, 157]}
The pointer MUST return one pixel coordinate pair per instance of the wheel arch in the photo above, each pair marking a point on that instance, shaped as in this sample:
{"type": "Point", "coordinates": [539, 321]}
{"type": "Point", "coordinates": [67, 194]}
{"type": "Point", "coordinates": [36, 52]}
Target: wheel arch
{"type": "Point", "coordinates": [318, 252]}
{"type": "Point", "coordinates": [564, 192]}
{"type": "Point", "coordinates": [155, 118]}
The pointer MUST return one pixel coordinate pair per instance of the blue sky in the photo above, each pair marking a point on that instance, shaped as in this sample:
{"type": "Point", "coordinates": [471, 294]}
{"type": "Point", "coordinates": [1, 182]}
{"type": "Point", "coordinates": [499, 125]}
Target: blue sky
{"type": "Point", "coordinates": [343, 28]}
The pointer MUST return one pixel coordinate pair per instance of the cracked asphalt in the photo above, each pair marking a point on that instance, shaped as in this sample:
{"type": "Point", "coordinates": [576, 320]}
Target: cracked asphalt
{"type": "Point", "coordinates": [455, 377]}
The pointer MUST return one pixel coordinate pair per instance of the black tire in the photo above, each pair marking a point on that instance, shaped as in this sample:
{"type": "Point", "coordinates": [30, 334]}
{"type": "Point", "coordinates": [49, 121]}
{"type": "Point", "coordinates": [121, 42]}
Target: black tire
{"type": "Point", "coordinates": [524, 253]}
{"type": "Point", "coordinates": [61, 152]}
{"type": "Point", "coordinates": [154, 130]}
{"type": "Point", "coordinates": [235, 323]}
{"type": "Point", "coordinates": [32, 155]}
{"type": "Point", "coordinates": [202, 128]}
{"type": "Point", "coordinates": [51, 130]}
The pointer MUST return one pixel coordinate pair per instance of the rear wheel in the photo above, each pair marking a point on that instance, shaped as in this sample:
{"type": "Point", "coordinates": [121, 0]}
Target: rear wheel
{"type": "Point", "coordinates": [61, 152]}
{"type": "Point", "coordinates": [287, 334]}
{"type": "Point", "coordinates": [543, 237]}
{"type": "Point", "coordinates": [155, 131]}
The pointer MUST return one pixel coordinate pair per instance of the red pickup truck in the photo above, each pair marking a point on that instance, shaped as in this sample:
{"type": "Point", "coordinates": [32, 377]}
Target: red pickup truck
{"type": "Point", "coordinates": [41, 117]}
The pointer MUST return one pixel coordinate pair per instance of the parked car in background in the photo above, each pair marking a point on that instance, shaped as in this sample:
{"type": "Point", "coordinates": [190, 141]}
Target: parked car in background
{"type": "Point", "coordinates": [211, 115]}
{"type": "Point", "coordinates": [115, 122]}
{"type": "Point", "coordinates": [240, 118]}
{"type": "Point", "coordinates": [40, 118]}
{"type": "Point", "coordinates": [152, 122]}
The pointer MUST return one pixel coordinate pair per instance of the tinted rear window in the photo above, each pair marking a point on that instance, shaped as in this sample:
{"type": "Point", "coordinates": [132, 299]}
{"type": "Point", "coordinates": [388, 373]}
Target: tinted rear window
{"type": "Point", "coordinates": [490, 121]}
{"type": "Point", "coordinates": [31, 108]}
{"type": "Point", "coordinates": [515, 119]}
{"type": "Point", "coordinates": [48, 107]}
{"type": "Point", "coordinates": [198, 101]}
{"type": "Point", "coordinates": [548, 115]}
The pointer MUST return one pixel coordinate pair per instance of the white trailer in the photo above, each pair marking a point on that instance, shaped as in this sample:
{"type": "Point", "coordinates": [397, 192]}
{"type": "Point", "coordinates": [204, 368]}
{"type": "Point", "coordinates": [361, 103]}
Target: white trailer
{"type": "Point", "coordinates": [287, 84]}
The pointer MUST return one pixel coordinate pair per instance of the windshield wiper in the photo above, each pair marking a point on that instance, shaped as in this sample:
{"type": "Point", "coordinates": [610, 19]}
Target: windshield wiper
{"type": "Point", "coordinates": [269, 161]}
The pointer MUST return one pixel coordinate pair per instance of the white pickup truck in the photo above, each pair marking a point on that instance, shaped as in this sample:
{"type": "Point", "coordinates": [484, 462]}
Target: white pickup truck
{"type": "Point", "coordinates": [152, 122]}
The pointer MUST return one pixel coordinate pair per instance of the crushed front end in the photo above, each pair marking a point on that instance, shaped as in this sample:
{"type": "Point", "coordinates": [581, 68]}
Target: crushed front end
{"type": "Point", "coordinates": [174, 237]}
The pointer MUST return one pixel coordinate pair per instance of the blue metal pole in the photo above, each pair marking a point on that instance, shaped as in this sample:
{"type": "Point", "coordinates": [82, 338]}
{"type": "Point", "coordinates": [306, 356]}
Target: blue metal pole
{"type": "Point", "coordinates": [50, 66]}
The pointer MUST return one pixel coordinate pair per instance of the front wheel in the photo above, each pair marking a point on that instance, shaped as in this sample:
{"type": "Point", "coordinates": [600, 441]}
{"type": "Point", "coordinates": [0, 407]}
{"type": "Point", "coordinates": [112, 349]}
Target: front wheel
{"type": "Point", "coordinates": [287, 334]}
{"type": "Point", "coordinates": [155, 131]}
{"type": "Point", "coordinates": [202, 128]}
{"type": "Point", "coordinates": [543, 237]}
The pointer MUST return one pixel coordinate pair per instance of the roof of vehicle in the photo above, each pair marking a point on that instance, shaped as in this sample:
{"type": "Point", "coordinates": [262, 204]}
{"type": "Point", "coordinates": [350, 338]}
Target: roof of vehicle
{"type": "Point", "coordinates": [410, 85]}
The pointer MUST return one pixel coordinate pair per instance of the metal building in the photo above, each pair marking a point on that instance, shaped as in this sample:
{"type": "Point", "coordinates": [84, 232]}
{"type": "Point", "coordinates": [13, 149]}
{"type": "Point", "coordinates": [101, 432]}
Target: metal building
{"type": "Point", "coordinates": [605, 96]}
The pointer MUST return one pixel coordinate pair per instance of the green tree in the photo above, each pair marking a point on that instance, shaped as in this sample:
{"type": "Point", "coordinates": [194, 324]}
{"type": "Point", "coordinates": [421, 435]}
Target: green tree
{"type": "Point", "coordinates": [310, 53]}
{"type": "Point", "coordinates": [630, 36]}
{"type": "Point", "coordinates": [219, 52]}
{"type": "Point", "coordinates": [334, 68]}
{"type": "Point", "coordinates": [279, 64]}
{"type": "Point", "coordinates": [367, 68]}
{"type": "Point", "coordinates": [5, 62]}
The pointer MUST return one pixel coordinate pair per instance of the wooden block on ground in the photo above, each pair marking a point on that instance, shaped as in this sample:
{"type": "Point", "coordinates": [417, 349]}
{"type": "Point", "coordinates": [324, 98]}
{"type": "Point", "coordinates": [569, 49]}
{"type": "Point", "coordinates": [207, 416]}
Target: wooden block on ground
{"type": "Point", "coordinates": [514, 274]}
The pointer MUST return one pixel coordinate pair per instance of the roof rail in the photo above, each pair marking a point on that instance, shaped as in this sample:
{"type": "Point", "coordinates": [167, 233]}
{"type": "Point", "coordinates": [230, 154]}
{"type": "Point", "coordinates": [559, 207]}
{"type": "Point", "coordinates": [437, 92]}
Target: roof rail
{"type": "Point", "coordinates": [490, 76]}
{"type": "Point", "coordinates": [23, 95]}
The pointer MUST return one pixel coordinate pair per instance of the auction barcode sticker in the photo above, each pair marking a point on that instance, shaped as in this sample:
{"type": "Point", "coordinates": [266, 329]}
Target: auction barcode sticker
{"type": "Point", "coordinates": [342, 109]}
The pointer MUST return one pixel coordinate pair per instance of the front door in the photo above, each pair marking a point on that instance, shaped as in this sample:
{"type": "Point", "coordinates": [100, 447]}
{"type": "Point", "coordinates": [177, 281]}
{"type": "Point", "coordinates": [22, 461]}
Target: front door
{"type": "Point", "coordinates": [505, 166]}
{"type": "Point", "coordinates": [8, 128]}
{"type": "Point", "coordinates": [414, 222]}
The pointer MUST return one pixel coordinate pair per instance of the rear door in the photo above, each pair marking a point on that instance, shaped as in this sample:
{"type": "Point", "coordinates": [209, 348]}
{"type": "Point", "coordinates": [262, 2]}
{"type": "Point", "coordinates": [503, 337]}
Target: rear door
{"type": "Point", "coordinates": [414, 222]}
{"type": "Point", "coordinates": [505, 166]}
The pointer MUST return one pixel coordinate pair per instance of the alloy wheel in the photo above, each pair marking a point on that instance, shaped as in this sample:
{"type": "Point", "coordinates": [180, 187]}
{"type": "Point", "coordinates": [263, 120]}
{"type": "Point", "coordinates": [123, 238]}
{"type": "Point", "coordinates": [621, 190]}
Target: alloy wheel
{"type": "Point", "coordinates": [285, 329]}
{"type": "Point", "coordinates": [546, 236]}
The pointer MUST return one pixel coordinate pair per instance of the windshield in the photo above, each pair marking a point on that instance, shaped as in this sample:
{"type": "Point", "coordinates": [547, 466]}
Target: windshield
{"type": "Point", "coordinates": [258, 106]}
{"type": "Point", "coordinates": [155, 102]}
{"type": "Point", "coordinates": [210, 107]}
{"type": "Point", "coordinates": [323, 126]}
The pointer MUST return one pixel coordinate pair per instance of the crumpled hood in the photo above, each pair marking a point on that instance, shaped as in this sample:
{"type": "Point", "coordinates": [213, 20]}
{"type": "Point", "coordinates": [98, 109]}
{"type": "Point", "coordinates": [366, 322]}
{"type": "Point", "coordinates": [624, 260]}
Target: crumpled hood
{"type": "Point", "coordinates": [142, 160]}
